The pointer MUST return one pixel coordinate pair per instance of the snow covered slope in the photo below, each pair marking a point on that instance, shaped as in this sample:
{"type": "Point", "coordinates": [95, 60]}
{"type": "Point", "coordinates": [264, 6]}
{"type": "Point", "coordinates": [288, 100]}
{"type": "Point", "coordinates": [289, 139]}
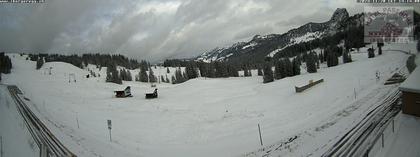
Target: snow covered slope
{"type": "Point", "coordinates": [205, 117]}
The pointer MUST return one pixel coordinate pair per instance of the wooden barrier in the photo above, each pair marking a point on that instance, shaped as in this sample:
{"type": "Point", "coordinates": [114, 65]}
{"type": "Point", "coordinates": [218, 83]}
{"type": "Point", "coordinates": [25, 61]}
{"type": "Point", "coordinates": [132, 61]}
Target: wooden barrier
{"type": "Point", "coordinates": [311, 83]}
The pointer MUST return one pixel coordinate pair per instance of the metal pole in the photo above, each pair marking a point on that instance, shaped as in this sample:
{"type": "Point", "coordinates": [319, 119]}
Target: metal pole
{"type": "Point", "coordinates": [259, 131]}
{"type": "Point", "coordinates": [77, 120]}
{"type": "Point", "coordinates": [354, 93]}
{"type": "Point", "coordinates": [110, 139]}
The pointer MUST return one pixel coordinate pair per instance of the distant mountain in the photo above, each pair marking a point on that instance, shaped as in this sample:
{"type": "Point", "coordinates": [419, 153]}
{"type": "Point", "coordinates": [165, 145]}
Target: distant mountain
{"type": "Point", "coordinates": [261, 46]}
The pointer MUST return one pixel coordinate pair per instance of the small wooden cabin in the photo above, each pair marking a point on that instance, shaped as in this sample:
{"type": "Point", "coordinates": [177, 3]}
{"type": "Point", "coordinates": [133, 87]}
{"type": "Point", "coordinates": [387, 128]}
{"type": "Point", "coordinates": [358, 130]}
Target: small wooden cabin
{"type": "Point", "coordinates": [152, 95]}
{"type": "Point", "coordinates": [411, 94]}
{"type": "Point", "coordinates": [124, 93]}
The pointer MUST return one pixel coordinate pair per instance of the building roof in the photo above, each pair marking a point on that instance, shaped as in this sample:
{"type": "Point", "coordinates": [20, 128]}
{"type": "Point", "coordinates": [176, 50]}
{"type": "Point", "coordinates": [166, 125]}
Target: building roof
{"type": "Point", "coordinates": [412, 83]}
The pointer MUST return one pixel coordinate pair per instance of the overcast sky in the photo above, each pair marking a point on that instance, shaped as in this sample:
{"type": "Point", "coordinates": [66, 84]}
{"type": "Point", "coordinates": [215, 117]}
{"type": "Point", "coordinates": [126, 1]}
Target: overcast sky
{"type": "Point", "coordinates": [152, 30]}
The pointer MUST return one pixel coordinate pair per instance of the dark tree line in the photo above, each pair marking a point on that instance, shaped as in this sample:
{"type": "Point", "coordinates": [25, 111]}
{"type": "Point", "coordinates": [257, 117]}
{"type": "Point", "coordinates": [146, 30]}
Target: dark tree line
{"type": "Point", "coordinates": [5, 63]}
{"type": "Point", "coordinates": [101, 60]}
{"type": "Point", "coordinates": [282, 68]}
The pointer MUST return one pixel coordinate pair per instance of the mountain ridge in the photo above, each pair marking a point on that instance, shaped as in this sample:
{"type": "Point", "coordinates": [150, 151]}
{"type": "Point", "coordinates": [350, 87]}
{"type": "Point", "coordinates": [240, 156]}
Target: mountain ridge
{"type": "Point", "coordinates": [269, 45]}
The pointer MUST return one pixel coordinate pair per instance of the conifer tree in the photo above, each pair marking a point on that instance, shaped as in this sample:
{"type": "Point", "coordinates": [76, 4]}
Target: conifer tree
{"type": "Point", "coordinates": [289, 67]}
{"type": "Point", "coordinates": [112, 74]}
{"type": "Point", "coordinates": [296, 66]}
{"type": "Point", "coordinates": [152, 77]}
{"type": "Point", "coordinates": [174, 80]}
{"type": "Point", "coordinates": [259, 72]}
{"type": "Point", "coordinates": [268, 73]}
{"type": "Point", "coordinates": [5, 63]}
{"type": "Point", "coordinates": [167, 79]}
{"type": "Point", "coordinates": [246, 72]}
{"type": "Point", "coordinates": [278, 65]}
{"type": "Point", "coordinates": [346, 56]}
{"type": "Point", "coordinates": [143, 77]}
{"type": "Point", "coordinates": [191, 71]}
{"type": "Point", "coordinates": [162, 79]}
{"type": "Point", "coordinates": [380, 48]}
{"type": "Point", "coordinates": [310, 63]}
{"type": "Point", "coordinates": [371, 52]}
{"type": "Point", "coordinates": [39, 63]}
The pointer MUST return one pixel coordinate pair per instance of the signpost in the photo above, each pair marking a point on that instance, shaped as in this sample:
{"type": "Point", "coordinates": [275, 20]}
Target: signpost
{"type": "Point", "coordinates": [109, 128]}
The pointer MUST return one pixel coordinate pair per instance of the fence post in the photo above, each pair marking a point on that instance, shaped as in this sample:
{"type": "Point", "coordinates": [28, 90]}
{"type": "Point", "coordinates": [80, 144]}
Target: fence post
{"type": "Point", "coordinates": [383, 140]}
{"type": "Point", "coordinates": [77, 120]}
{"type": "Point", "coordinates": [259, 131]}
{"type": "Point", "coordinates": [393, 126]}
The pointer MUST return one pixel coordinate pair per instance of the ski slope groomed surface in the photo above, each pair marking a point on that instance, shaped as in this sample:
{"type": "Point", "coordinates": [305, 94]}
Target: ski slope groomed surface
{"type": "Point", "coordinates": [206, 117]}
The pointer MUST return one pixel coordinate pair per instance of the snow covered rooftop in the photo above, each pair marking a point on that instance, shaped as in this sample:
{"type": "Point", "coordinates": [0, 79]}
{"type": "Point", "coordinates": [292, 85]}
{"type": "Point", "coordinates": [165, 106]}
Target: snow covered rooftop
{"type": "Point", "coordinates": [412, 84]}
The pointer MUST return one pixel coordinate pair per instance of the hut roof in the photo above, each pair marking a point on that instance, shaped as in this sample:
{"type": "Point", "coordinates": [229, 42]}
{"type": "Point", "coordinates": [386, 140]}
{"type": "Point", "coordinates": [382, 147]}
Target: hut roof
{"type": "Point", "coordinates": [412, 84]}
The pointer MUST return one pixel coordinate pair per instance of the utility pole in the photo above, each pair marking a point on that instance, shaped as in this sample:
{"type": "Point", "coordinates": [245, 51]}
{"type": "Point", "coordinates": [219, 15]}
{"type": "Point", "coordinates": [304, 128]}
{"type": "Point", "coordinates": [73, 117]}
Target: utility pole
{"type": "Point", "coordinates": [109, 128]}
{"type": "Point", "coordinates": [259, 131]}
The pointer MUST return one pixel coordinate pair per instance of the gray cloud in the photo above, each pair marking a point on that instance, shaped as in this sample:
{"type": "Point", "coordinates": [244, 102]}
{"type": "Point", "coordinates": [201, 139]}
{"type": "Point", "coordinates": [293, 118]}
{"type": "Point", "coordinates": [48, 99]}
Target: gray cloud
{"type": "Point", "coordinates": [152, 30]}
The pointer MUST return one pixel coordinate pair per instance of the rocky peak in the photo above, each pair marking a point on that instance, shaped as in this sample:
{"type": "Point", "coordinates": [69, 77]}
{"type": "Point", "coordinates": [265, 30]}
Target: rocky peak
{"type": "Point", "coordinates": [339, 15]}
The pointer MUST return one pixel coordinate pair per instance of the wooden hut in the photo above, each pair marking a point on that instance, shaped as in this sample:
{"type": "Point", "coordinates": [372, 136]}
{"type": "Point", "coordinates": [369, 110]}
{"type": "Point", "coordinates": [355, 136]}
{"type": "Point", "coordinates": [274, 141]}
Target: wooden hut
{"type": "Point", "coordinates": [124, 93]}
{"type": "Point", "coordinates": [411, 94]}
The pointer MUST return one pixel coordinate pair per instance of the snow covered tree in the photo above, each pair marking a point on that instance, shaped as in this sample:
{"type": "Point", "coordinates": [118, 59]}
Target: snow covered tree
{"type": "Point", "coordinates": [380, 48]}
{"type": "Point", "coordinates": [191, 70]}
{"type": "Point", "coordinates": [332, 57]}
{"type": "Point", "coordinates": [112, 74]}
{"type": "Point", "coordinates": [259, 72]}
{"type": "Point", "coordinates": [162, 79]}
{"type": "Point", "coordinates": [233, 71]}
{"type": "Point", "coordinates": [346, 56]}
{"type": "Point", "coordinates": [152, 77]}
{"type": "Point", "coordinates": [167, 70]}
{"type": "Point", "coordinates": [143, 77]}
{"type": "Point", "coordinates": [167, 79]}
{"type": "Point", "coordinates": [321, 58]}
{"type": "Point", "coordinates": [179, 77]}
{"type": "Point", "coordinates": [296, 66]}
{"type": "Point", "coordinates": [310, 63]}
{"type": "Point", "coordinates": [173, 79]}
{"type": "Point", "coordinates": [371, 52]}
{"type": "Point", "coordinates": [246, 71]}
{"type": "Point", "coordinates": [268, 73]}
{"type": "Point", "coordinates": [278, 69]}
{"type": "Point", "coordinates": [211, 73]}
{"type": "Point", "coordinates": [39, 63]}
{"type": "Point", "coordinates": [289, 67]}
{"type": "Point", "coordinates": [221, 69]}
